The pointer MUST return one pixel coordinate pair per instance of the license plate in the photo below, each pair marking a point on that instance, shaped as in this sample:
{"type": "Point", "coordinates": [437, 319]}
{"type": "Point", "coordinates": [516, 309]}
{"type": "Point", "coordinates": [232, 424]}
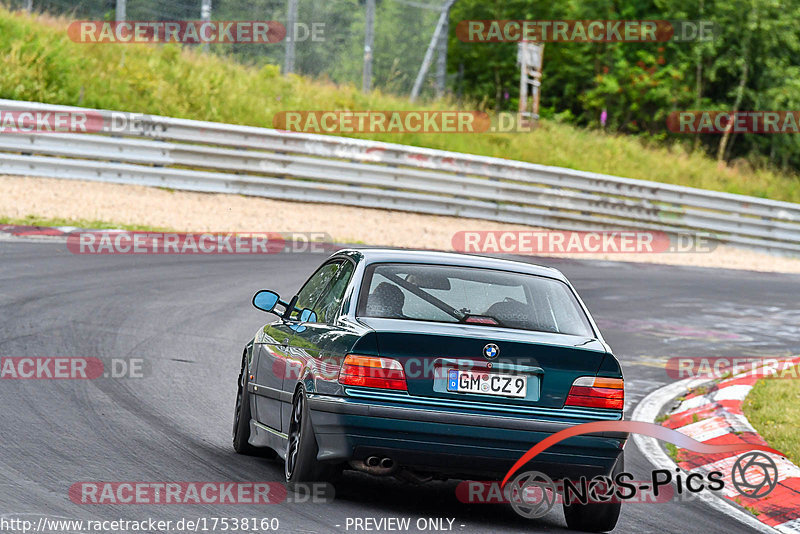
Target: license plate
{"type": "Point", "coordinates": [483, 383]}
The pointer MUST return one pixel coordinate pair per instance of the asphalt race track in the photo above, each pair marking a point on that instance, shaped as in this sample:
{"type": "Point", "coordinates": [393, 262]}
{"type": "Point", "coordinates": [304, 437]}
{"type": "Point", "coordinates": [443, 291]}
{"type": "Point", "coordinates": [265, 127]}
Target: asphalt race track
{"type": "Point", "coordinates": [188, 317]}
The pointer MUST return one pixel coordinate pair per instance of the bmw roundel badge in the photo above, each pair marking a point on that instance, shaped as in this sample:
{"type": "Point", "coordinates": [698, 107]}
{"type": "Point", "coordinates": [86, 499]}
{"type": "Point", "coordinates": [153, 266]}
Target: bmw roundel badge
{"type": "Point", "coordinates": [491, 351]}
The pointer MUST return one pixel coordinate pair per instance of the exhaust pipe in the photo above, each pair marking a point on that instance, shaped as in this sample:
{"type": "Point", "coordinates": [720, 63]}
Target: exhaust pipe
{"type": "Point", "coordinates": [374, 465]}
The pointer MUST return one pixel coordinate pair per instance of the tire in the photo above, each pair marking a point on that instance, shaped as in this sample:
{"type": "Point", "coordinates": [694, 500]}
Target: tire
{"type": "Point", "coordinates": [595, 517]}
{"type": "Point", "coordinates": [302, 466]}
{"type": "Point", "coordinates": [242, 416]}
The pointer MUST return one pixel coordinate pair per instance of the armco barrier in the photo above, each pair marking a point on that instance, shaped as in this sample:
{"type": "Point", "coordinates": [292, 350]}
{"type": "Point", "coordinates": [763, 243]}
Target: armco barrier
{"type": "Point", "coordinates": [223, 158]}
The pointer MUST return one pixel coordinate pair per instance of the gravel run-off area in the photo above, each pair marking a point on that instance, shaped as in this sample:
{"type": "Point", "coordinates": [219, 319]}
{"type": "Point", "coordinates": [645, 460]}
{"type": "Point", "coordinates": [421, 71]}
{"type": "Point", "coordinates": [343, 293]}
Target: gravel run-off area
{"type": "Point", "coordinates": [200, 212]}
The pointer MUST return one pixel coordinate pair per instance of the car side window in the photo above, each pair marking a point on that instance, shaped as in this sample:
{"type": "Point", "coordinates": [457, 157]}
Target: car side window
{"type": "Point", "coordinates": [315, 287]}
{"type": "Point", "coordinates": [327, 307]}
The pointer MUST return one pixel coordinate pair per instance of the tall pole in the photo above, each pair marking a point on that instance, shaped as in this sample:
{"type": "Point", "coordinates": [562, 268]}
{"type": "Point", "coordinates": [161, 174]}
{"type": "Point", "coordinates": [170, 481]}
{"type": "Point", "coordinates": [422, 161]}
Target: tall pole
{"type": "Point", "coordinates": [205, 16]}
{"type": "Point", "coordinates": [530, 56]}
{"type": "Point", "coordinates": [369, 40]}
{"type": "Point", "coordinates": [523, 84]}
{"type": "Point", "coordinates": [441, 56]}
{"type": "Point", "coordinates": [426, 61]}
{"type": "Point", "coordinates": [291, 21]}
{"type": "Point", "coordinates": [120, 15]}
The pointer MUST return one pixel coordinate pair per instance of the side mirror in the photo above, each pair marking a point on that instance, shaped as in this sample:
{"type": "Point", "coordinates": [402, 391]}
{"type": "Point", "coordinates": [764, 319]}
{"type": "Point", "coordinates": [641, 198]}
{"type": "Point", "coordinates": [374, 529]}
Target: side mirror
{"type": "Point", "coordinates": [266, 300]}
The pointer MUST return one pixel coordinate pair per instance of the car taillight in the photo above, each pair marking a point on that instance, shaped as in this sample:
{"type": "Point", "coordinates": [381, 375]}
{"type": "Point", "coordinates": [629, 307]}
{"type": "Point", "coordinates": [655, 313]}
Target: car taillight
{"type": "Point", "coordinates": [597, 392]}
{"type": "Point", "coordinates": [372, 372]}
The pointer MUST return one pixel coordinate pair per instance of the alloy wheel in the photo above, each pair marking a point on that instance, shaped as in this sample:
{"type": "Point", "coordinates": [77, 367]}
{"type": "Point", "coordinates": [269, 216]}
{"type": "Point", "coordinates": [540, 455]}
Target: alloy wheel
{"type": "Point", "coordinates": [295, 426]}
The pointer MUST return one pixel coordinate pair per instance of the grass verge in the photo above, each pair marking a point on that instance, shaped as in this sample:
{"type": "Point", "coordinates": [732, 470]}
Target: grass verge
{"type": "Point", "coordinates": [35, 220]}
{"type": "Point", "coordinates": [40, 63]}
{"type": "Point", "coordinates": [773, 408]}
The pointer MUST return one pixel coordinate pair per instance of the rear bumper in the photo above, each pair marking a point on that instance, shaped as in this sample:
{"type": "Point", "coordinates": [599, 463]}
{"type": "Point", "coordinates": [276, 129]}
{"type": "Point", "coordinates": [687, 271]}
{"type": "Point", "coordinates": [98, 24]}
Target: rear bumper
{"type": "Point", "coordinates": [459, 445]}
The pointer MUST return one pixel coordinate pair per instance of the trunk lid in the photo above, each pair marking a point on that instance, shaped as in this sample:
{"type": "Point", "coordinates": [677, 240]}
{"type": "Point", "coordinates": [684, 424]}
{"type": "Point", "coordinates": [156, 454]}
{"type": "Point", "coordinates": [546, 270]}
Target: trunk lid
{"type": "Point", "coordinates": [429, 351]}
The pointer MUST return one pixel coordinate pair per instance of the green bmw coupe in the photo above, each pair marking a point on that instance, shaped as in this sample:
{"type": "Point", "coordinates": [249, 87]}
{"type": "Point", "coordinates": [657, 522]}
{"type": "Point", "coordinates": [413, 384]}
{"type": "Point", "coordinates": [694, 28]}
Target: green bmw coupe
{"type": "Point", "coordinates": [428, 365]}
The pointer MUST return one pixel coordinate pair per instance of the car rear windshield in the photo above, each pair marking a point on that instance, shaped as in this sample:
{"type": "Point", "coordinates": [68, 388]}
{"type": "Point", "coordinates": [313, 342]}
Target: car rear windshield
{"type": "Point", "coordinates": [470, 295]}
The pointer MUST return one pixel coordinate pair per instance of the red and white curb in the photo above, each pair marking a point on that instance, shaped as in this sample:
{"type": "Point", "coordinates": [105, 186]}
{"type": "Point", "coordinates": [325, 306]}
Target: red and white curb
{"type": "Point", "coordinates": [37, 231]}
{"type": "Point", "coordinates": [715, 417]}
